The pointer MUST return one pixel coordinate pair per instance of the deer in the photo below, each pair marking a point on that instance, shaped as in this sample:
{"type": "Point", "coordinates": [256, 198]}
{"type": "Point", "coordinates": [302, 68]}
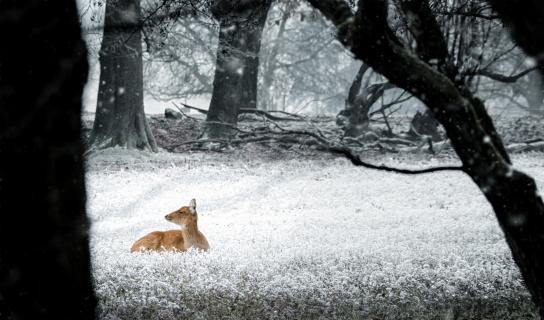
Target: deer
{"type": "Point", "coordinates": [175, 240]}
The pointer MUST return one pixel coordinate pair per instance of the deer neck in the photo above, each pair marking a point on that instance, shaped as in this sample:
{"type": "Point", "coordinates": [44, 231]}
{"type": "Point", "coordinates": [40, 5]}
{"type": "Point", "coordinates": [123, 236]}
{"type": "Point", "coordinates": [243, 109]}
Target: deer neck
{"type": "Point", "coordinates": [189, 233]}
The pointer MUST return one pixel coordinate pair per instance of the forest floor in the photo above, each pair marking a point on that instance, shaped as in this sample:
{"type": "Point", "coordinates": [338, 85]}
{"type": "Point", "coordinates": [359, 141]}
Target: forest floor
{"type": "Point", "coordinates": [300, 234]}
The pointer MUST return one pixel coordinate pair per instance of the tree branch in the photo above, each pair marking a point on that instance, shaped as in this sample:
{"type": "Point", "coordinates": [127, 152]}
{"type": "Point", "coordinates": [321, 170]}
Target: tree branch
{"type": "Point", "coordinates": [268, 115]}
{"type": "Point", "coordinates": [502, 78]}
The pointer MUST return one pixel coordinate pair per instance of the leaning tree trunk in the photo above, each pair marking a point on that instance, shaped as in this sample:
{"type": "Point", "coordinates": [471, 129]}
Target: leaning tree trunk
{"type": "Point", "coordinates": [512, 194]}
{"type": "Point", "coordinates": [44, 252]}
{"type": "Point", "coordinates": [120, 118]}
{"type": "Point", "coordinates": [237, 64]}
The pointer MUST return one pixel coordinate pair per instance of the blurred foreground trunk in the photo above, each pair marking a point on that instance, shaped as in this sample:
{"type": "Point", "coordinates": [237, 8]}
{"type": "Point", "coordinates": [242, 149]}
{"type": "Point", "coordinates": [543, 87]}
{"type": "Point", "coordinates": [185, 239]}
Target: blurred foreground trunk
{"type": "Point", "coordinates": [44, 252]}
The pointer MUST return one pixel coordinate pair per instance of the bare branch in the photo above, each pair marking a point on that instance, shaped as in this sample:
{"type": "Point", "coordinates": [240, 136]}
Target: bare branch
{"type": "Point", "coordinates": [502, 78]}
{"type": "Point", "coordinates": [255, 111]}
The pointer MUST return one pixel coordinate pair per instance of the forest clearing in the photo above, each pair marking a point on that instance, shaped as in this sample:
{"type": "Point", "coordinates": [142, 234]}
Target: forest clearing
{"type": "Point", "coordinates": [301, 237]}
{"type": "Point", "coordinates": [272, 159]}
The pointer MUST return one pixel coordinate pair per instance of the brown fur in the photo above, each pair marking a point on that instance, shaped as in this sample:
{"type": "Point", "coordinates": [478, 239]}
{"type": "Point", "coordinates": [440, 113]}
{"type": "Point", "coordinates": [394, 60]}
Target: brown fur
{"type": "Point", "coordinates": [175, 240]}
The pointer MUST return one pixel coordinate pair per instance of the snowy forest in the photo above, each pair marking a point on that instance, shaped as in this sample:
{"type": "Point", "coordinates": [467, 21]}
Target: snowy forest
{"type": "Point", "coordinates": [272, 159]}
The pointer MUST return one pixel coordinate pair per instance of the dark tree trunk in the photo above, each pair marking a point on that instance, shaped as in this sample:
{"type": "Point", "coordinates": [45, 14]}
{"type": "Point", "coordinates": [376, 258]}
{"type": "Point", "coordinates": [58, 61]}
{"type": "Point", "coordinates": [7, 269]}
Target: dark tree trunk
{"type": "Point", "coordinates": [512, 194]}
{"type": "Point", "coordinates": [251, 70]}
{"type": "Point", "coordinates": [44, 253]}
{"type": "Point", "coordinates": [237, 64]}
{"type": "Point", "coordinates": [120, 118]}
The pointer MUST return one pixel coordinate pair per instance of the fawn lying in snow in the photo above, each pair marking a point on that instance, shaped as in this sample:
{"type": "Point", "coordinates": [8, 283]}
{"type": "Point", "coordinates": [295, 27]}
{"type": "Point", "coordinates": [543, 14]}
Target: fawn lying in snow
{"type": "Point", "coordinates": [175, 240]}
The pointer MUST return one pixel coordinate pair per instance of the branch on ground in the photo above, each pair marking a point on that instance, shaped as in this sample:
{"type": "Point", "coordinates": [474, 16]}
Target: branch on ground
{"type": "Point", "coordinates": [268, 115]}
{"type": "Point", "coordinates": [530, 145]}
{"type": "Point", "coordinates": [280, 134]}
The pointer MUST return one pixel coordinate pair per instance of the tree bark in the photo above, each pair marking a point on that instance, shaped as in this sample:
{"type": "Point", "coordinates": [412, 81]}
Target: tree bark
{"type": "Point", "coordinates": [44, 253]}
{"type": "Point", "coordinates": [237, 64]}
{"type": "Point", "coordinates": [120, 119]}
{"type": "Point", "coordinates": [512, 194]}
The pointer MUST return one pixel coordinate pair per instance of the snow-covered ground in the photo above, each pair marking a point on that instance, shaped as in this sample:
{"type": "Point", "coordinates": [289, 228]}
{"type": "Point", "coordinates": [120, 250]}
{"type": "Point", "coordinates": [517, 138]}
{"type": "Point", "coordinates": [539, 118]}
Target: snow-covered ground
{"type": "Point", "coordinates": [300, 239]}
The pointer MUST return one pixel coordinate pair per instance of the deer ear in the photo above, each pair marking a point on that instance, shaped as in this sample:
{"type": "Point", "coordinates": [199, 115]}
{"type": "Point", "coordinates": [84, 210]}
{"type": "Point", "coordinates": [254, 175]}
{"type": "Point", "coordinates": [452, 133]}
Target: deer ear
{"type": "Point", "coordinates": [192, 205]}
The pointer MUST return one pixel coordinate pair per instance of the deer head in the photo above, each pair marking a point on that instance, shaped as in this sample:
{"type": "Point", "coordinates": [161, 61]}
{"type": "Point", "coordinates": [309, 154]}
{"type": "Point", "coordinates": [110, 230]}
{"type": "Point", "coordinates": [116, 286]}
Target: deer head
{"type": "Point", "coordinates": [184, 216]}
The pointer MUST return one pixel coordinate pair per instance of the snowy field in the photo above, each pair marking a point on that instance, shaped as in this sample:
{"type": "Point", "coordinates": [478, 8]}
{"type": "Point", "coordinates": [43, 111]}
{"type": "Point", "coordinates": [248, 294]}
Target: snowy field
{"type": "Point", "coordinates": [300, 239]}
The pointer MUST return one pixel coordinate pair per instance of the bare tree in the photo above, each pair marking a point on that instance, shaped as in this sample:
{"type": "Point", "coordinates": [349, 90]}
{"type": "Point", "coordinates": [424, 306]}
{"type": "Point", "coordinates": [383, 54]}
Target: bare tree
{"type": "Point", "coordinates": [44, 257]}
{"type": "Point", "coordinates": [512, 194]}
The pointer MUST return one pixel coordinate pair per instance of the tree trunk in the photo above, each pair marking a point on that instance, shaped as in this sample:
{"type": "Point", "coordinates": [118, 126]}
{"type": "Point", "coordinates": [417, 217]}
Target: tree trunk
{"type": "Point", "coordinates": [44, 253]}
{"type": "Point", "coordinates": [251, 70]}
{"type": "Point", "coordinates": [237, 64]}
{"type": "Point", "coordinates": [120, 119]}
{"type": "Point", "coordinates": [270, 65]}
{"type": "Point", "coordinates": [534, 93]}
{"type": "Point", "coordinates": [512, 194]}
